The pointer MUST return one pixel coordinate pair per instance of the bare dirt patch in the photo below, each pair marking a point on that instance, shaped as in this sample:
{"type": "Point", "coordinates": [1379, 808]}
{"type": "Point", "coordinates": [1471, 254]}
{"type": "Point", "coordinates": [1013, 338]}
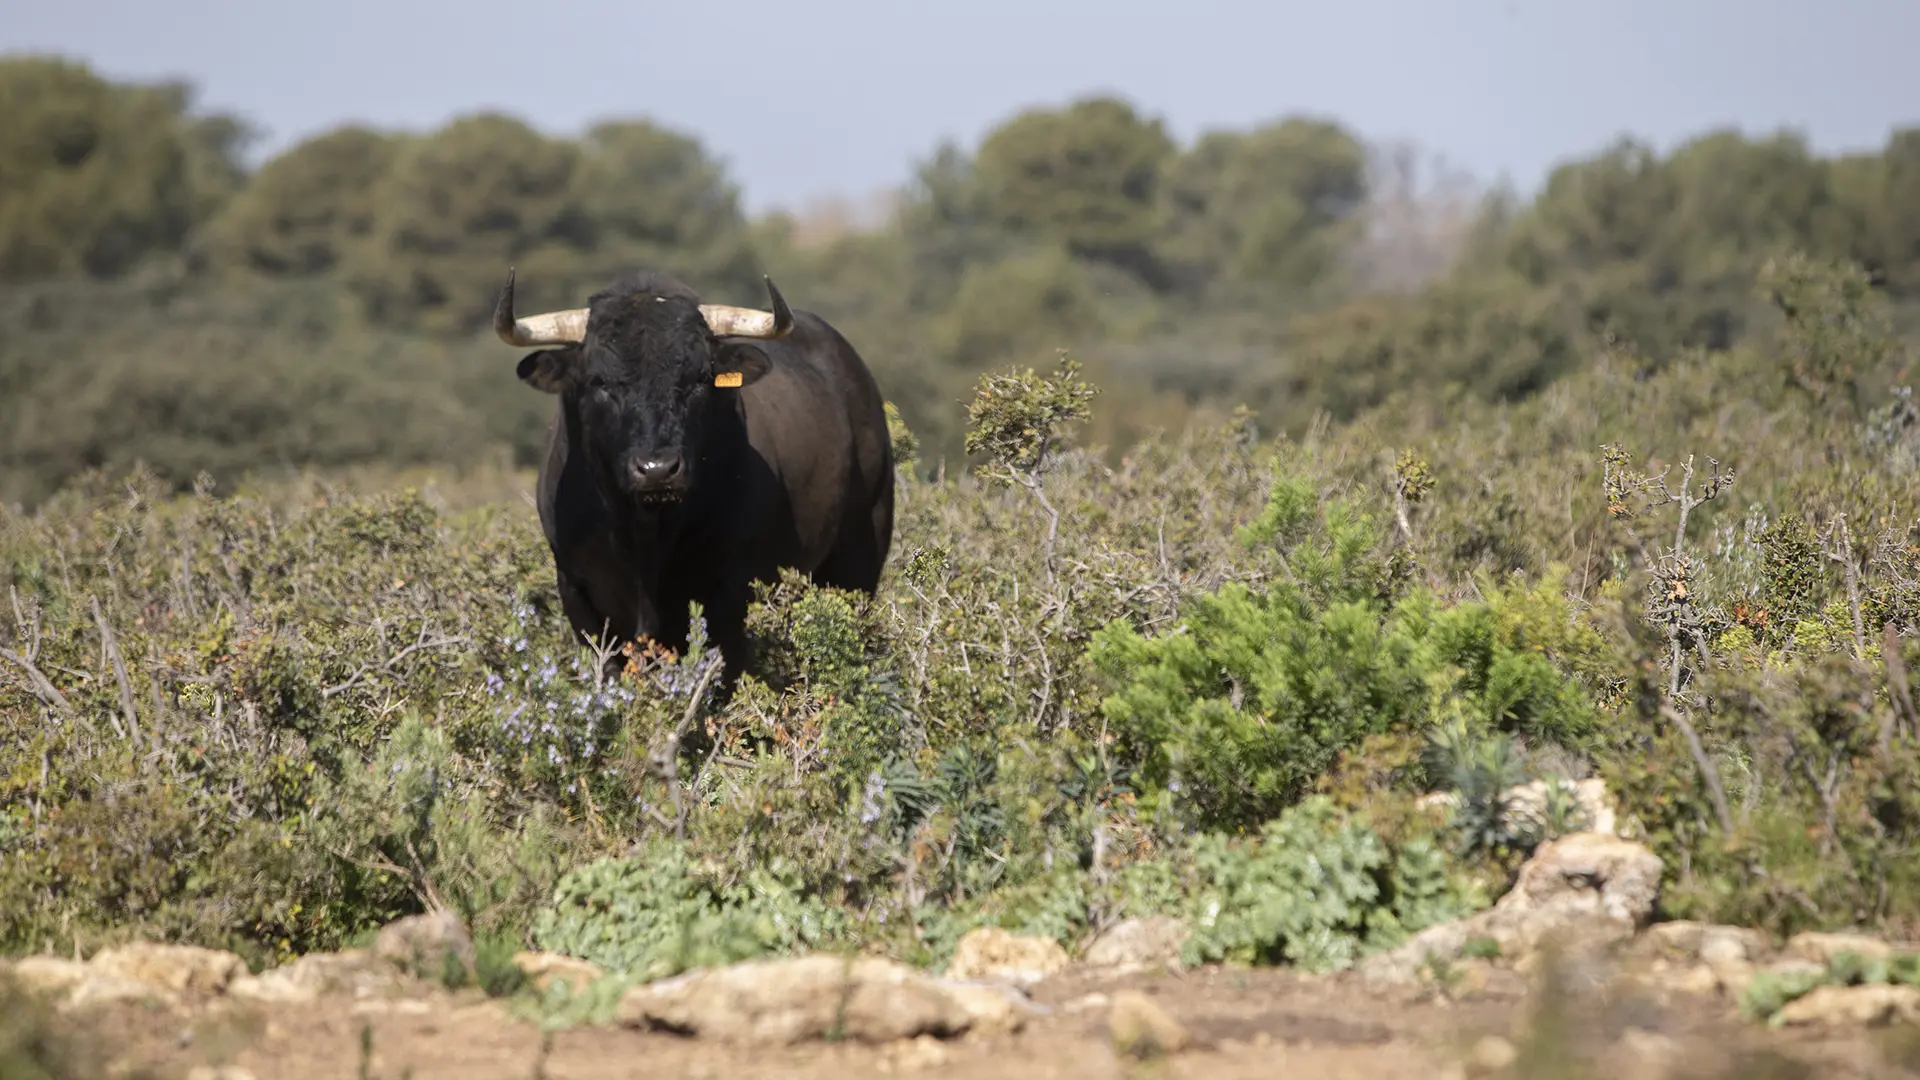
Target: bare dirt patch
{"type": "Point", "coordinates": [1243, 1024]}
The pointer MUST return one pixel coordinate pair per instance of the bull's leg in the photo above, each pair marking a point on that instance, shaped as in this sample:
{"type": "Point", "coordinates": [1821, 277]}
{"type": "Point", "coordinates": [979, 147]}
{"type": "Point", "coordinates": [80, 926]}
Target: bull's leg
{"type": "Point", "coordinates": [861, 550]}
{"type": "Point", "coordinates": [674, 624]}
{"type": "Point", "coordinates": [727, 629]}
{"type": "Point", "coordinates": [588, 623]}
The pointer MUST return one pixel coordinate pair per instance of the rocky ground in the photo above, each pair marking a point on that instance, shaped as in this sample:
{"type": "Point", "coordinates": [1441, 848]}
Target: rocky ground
{"type": "Point", "coordinates": [1563, 978]}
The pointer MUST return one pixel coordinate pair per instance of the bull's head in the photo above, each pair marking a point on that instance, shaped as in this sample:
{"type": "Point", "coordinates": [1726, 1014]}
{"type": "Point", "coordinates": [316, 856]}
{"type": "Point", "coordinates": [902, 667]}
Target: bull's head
{"type": "Point", "coordinates": [637, 366]}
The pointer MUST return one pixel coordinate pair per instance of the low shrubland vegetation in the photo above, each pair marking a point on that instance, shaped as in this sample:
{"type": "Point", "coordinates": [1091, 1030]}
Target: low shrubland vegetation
{"type": "Point", "coordinates": [1163, 682]}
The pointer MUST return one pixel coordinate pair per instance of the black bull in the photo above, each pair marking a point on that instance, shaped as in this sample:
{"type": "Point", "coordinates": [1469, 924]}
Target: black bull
{"type": "Point", "coordinates": [698, 448]}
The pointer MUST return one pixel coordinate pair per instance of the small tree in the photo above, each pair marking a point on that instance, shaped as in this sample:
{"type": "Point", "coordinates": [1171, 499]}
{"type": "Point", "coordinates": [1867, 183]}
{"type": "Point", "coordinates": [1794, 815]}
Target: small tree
{"type": "Point", "coordinates": [1673, 592]}
{"type": "Point", "coordinates": [1016, 419]}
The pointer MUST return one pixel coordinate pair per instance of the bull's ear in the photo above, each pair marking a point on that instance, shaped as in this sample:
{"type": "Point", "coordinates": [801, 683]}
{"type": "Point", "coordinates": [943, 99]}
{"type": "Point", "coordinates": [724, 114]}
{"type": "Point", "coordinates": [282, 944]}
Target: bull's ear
{"type": "Point", "coordinates": [740, 364]}
{"type": "Point", "coordinates": [547, 370]}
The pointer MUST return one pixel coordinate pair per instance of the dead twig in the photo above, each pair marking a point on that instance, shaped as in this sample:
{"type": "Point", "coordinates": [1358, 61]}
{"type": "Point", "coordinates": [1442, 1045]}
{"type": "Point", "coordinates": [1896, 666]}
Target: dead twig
{"type": "Point", "coordinates": [367, 669]}
{"type": "Point", "coordinates": [666, 759]}
{"type": "Point", "coordinates": [41, 686]}
{"type": "Point", "coordinates": [416, 880]}
{"type": "Point", "coordinates": [1839, 541]}
{"type": "Point", "coordinates": [1708, 772]}
{"type": "Point", "coordinates": [111, 644]}
{"type": "Point", "coordinates": [1896, 686]}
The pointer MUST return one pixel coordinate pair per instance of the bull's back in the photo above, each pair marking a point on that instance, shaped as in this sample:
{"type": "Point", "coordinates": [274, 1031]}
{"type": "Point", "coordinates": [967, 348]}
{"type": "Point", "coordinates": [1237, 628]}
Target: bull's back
{"type": "Point", "coordinates": [819, 422]}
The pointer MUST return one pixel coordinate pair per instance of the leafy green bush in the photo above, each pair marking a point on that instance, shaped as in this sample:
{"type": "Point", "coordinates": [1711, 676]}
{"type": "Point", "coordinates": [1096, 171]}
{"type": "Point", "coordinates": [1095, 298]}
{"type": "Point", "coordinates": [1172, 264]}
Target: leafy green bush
{"type": "Point", "coordinates": [286, 775]}
{"type": "Point", "coordinates": [1316, 891]}
{"type": "Point", "coordinates": [1236, 710]}
{"type": "Point", "coordinates": [658, 913]}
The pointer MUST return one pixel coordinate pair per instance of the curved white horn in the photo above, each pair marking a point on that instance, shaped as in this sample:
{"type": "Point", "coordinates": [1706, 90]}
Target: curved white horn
{"type": "Point", "coordinates": [548, 328]}
{"type": "Point", "coordinates": [726, 320]}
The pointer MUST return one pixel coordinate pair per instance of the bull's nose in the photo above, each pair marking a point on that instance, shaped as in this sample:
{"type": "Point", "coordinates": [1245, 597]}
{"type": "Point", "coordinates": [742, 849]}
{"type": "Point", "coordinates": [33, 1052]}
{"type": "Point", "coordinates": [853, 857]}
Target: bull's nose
{"type": "Point", "coordinates": [656, 471]}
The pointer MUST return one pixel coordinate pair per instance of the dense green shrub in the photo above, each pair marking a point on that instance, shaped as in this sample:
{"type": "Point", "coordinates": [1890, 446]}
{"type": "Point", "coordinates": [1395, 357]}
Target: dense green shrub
{"type": "Point", "coordinates": [1238, 708]}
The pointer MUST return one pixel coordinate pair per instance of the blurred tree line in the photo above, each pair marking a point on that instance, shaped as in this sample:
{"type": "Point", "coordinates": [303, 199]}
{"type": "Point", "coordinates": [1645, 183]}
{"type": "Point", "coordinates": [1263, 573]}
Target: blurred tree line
{"type": "Point", "coordinates": [161, 302]}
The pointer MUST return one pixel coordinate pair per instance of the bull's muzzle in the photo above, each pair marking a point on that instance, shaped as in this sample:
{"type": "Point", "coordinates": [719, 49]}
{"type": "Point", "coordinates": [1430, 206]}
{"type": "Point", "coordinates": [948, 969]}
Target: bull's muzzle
{"type": "Point", "coordinates": [657, 477]}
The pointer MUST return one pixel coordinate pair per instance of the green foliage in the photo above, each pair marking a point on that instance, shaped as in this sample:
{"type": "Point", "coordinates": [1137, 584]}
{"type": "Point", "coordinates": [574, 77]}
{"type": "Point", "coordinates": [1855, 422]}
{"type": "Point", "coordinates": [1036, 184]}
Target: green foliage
{"type": "Point", "coordinates": [389, 692]}
{"type": "Point", "coordinates": [276, 782]}
{"type": "Point", "coordinates": [563, 1005]}
{"type": "Point", "coordinates": [1005, 308]}
{"type": "Point", "coordinates": [1084, 176]}
{"type": "Point", "coordinates": [658, 913]}
{"type": "Point", "coordinates": [1770, 990]}
{"type": "Point", "coordinates": [1267, 210]}
{"type": "Point", "coordinates": [1823, 807]}
{"type": "Point", "coordinates": [1790, 579]}
{"type": "Point", "coordinates": [1234, 712]}
{"type": "Point", "coordinates": [495, 970]}
{"type": "Point", "coordinates": [1016, 419]}
{"type": "Point", "coordinates": [410, 814]}
{"type": "Point", "coordinates": [645, 195]}
{"type": "Point", "coordinates": [455, 209]}
{"type": "Point", "coordinates": [906, 445]}
{"type": "Point", "coordinates": [205, 383]}
{"type": "Point", "coordinates": [1315, 891]}
{"type": "Point", "coordinates": [826, 648]}
{"type": "Point", "coordinates": [1836, 329]}
{"type": "Point", "coordinates": [99, 176]}
{"type": "Point", "coordinates": [1481, 770]}
{"type": "Point", "coordinates": [304, 211]}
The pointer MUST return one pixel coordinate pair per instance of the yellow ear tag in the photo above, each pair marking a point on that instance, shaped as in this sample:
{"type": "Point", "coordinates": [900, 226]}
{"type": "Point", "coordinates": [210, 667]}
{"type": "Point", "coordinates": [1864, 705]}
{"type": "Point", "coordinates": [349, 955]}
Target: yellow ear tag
{"type": "Point", "coordinates": [727, 378]}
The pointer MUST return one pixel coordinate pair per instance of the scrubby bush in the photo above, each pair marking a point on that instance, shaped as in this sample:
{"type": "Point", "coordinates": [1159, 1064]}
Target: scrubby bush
{"type": "Point", "coordinates": [1770, 991]}
{"type": "Point", "coordinates": [1170, 681]}
{"type": "Point", "coordinates": [1241, 706]}
{"type": "Point", "coordinates": [1316, 891]}
{"type": "Point", "coordinates": [654, 914]}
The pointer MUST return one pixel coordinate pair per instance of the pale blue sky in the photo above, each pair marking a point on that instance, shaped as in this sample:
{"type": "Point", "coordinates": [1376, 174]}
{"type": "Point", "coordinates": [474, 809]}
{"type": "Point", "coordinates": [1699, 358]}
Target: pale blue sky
{"type": "Point", "coordinates": [812, 97]}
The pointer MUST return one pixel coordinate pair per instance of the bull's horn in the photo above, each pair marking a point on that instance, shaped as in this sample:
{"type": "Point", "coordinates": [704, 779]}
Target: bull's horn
{"type": "Point", "coordinates": [746, 322]}
{"type": "Point", "coordinates": [548, 328]}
